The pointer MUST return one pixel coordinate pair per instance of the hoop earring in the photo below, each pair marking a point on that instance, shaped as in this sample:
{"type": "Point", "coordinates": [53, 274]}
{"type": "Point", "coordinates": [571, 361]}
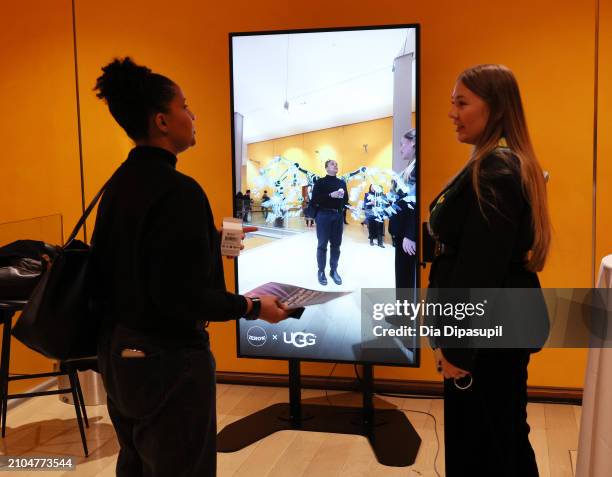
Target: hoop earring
{"type": "Point", "coordinates": [463, 388]}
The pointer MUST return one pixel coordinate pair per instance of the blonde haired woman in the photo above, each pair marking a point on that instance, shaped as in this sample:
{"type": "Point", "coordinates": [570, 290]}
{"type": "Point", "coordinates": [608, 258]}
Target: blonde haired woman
{"type": "Point", "coordinates": [403, 225]}
{"type": "Point", "coordinates": [492, 230]}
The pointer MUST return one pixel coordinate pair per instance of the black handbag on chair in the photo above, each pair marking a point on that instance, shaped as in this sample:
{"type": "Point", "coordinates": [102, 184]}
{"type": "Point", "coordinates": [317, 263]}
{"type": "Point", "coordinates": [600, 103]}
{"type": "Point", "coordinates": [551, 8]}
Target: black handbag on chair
{"type": "Point", "coordinates": [56, 320]}
{"type": "Point", "coordinates": [22, 263]}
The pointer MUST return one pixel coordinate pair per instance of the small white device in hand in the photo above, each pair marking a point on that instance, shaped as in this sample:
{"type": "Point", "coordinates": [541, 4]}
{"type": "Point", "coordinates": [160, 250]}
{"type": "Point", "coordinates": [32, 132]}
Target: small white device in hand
{"type": "Point", "coordinates": [231, 237]}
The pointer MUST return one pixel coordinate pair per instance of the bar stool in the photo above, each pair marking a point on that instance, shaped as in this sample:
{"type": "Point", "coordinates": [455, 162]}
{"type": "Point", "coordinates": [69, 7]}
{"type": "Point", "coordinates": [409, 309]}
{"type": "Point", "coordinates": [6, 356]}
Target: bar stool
{"type": "Point", "coordinates": [69, 368]}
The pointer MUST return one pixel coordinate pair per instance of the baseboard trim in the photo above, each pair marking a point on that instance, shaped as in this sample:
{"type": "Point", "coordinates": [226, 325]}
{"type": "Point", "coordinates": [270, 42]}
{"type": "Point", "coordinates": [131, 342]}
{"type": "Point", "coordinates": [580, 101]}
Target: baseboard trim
{"type": "Point", "coordinates": [392, 386]}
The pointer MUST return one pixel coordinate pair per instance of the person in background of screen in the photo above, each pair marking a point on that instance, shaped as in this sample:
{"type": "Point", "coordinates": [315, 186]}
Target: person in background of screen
{"type": "Point", "coordinates": [264, 208]}
{"type": "Point", "coordinates": [492, 229]}
{"type": "Point", "coordinates": [239, 204]}
{"type": "Point", "coordinates": [248, 205]}
{"type": "Point", "coordinates": [375, 227]}
{"type": "Point", "coordinates": [329, 196]}
{"type": "Point", "coordinates": [157, 279]}
{"type": "Point", "coordinates": [306, 209]}
{"type": "Point", "coordinates": [403, 225]}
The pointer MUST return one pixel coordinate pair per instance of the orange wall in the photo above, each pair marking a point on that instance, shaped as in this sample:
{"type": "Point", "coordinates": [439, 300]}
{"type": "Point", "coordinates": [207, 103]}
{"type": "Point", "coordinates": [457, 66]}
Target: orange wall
{"type": "Point", "coordinates": [549, 44]}
{"type": "Point", "coordinates": [604, 137]}
{"type": "Point", "coordinates": [40, 151]}
{"type": "Point", "coordinates": [192, 47]}
{"type": "Point", "coordinates": [39, 164]}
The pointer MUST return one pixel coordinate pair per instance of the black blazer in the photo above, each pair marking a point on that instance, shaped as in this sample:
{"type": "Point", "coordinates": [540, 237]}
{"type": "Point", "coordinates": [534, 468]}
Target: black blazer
{"type": "Point", "coordinates": [488, 245]}
{"type": "Point", "coordinates": [403, 224]}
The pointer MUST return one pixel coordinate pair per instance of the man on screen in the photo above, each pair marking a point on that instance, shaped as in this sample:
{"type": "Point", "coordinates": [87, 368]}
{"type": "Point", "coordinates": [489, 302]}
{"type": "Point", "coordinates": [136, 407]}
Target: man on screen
{"type": "Point", "coordinates": [329, 197]}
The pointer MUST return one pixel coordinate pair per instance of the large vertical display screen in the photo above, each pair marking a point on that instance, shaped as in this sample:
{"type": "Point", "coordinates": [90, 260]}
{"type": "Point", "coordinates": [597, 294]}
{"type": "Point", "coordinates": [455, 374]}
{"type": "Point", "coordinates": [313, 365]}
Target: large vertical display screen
{"type": "Point", "coordinates": [325, 151]}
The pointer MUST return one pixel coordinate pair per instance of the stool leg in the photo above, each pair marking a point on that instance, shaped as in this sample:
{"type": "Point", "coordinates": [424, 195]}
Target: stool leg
{"type": "Point", "coordinates": [4, 408]}
{"type": "Point", "coordinates": [3, 317]}
{"type": "Point", "coordinates": [81, 400]}
{"type": "Point", "coordinates": [6, 357]}
{"type": "Point", "coordinates": [77, 408]}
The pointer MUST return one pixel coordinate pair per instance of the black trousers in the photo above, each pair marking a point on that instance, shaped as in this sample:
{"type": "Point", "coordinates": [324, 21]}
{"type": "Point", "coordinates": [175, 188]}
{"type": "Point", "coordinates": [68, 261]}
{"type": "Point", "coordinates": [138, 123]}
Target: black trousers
{"type": "Point", "coordinates": [329, 230]}
{"type": "Point", "coordinates": [375, 230]}
{"type": "Point", "coordinates": [485, 426]}
{"type": "Point", "coordinates": [405, 266]}
{"type": "Point", "coordinates": [162, 406]}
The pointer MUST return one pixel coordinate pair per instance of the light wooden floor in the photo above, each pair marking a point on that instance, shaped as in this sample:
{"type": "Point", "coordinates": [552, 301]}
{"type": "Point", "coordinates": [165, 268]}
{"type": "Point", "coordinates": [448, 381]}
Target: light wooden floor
{"type": "Point", "coordinates": [46, 426]}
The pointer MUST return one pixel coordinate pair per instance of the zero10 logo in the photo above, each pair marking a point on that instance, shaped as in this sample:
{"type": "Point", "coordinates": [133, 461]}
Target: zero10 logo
{"type": "Point", "coordinates": [256, 336]}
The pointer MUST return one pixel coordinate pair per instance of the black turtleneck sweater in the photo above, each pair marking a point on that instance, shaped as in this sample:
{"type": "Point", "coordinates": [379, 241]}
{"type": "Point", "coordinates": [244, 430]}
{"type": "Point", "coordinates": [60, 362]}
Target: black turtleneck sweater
{"type": "Point", "coordinates": [156, 259]}
{"type": "Point", "coordinates": [323, 187]}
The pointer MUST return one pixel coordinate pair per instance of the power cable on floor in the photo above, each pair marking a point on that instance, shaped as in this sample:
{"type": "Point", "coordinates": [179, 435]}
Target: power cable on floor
{"type": "Point", "coordinates": [435, 432]}
{"type": "Point", "coordinates": [415, 411]}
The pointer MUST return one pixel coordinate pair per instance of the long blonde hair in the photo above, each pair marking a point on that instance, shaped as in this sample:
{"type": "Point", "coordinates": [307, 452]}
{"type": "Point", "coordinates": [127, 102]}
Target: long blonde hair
{"type": "Point", "coordinates": [409, 135]}
{"type": "Point", "coordinates": [497, 86]}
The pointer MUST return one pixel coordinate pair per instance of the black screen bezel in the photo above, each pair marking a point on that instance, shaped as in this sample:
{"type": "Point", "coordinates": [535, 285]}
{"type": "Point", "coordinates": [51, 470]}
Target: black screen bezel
{"type": "Point", "coordinates": [416, 27]}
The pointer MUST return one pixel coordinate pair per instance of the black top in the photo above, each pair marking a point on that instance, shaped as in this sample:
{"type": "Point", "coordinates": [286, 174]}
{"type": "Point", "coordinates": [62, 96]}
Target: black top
{"type": "Point", "coordinates": [156, 259]}
{"type": "Point", "coordinates": [325, 186]}
{"type": "Point", "coordinates": [403, 224]}
{"type": "Point", "coordinates": [488, 246]}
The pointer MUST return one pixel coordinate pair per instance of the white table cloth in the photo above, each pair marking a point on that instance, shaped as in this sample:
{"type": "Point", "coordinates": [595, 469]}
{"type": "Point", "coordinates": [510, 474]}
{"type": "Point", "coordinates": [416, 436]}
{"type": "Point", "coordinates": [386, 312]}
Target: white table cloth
{"type": "Point", "coordinates": [595, 442]}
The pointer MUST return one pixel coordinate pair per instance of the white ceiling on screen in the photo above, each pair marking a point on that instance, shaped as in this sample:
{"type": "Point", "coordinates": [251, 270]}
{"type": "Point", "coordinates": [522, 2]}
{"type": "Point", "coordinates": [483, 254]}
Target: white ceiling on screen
{"type": "Point", "coordinates": [291, 84]}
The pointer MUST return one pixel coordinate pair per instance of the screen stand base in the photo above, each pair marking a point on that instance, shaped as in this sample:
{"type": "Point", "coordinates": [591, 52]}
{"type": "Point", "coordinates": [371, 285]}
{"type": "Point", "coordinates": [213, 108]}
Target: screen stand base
{"type": "Point", "coordinates": [392, 437]}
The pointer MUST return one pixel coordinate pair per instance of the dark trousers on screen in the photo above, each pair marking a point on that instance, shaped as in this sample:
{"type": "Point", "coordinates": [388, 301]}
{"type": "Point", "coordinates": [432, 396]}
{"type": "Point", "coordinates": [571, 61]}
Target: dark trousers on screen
{"type": "Point", "coordinates": [405, 267]}
{"type": "Point", "coordinates": [162, 406]}
{"type": "Point", "coordinates": [329, 230]}
{"type": "Point", "coordinates": [375, 230]}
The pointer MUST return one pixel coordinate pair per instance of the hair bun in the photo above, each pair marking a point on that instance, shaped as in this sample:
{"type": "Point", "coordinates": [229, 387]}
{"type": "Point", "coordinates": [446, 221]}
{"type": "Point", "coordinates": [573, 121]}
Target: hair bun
{"type": "Point", "coordinates": [133, 93]}
{"type": "Point", "coordinates": [122, 80]}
